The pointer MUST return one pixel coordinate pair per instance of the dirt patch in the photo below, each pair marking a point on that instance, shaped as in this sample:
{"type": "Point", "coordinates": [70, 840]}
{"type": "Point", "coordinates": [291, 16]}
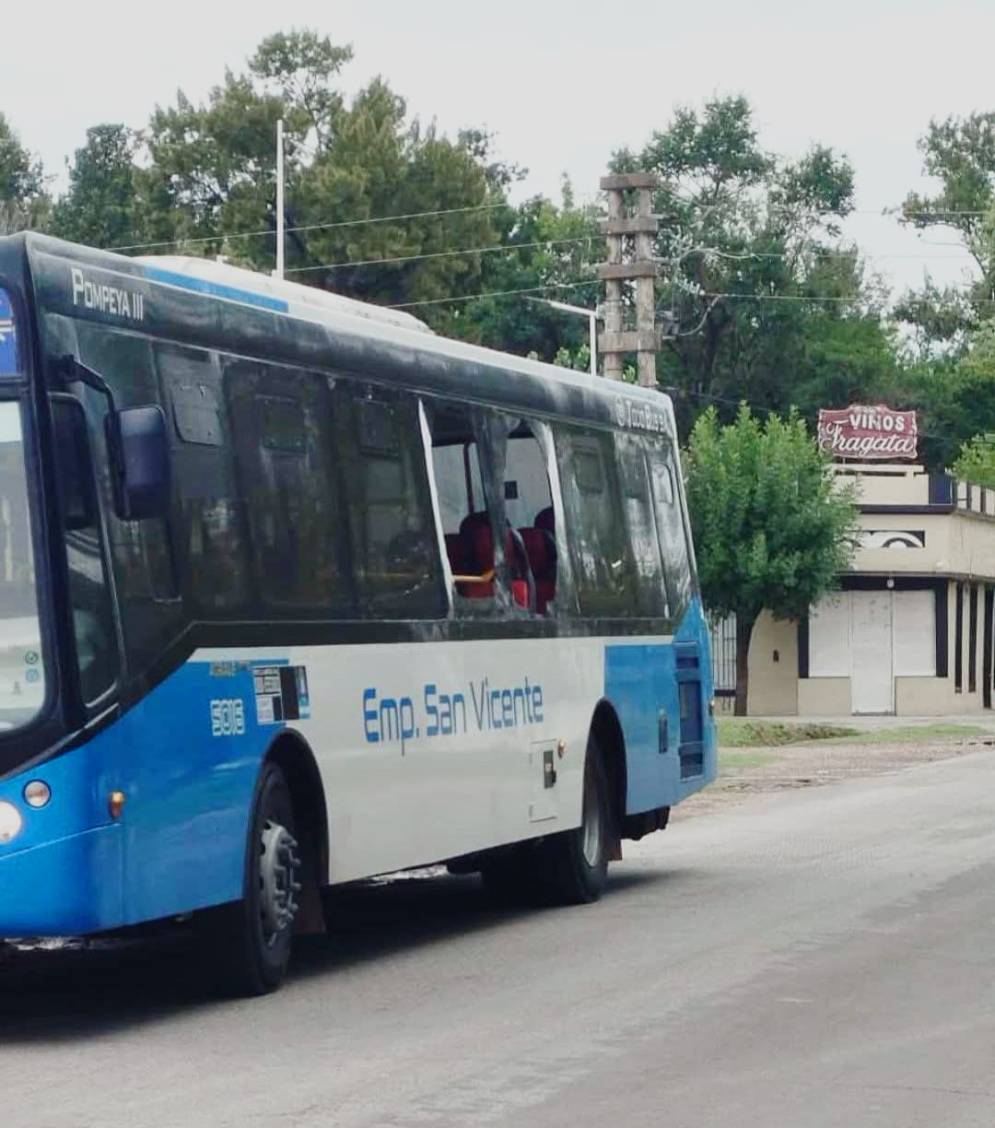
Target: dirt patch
{"type": "Point", "coordinates": [744, 772]}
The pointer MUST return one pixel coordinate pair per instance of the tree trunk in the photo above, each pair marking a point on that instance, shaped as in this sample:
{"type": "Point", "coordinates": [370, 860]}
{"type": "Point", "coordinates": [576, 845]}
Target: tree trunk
{"type": "Point", "coordinates": [744, 632]}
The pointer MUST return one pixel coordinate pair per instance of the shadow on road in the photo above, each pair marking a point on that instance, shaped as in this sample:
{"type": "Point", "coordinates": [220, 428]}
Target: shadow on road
{"type": "Point", "coordinates": [85, 989]}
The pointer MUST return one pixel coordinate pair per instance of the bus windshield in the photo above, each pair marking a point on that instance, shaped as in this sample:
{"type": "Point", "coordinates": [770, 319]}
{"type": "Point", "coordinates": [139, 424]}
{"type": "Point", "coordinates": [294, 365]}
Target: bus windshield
{"type": "Point", "coordinates": [22, 679]}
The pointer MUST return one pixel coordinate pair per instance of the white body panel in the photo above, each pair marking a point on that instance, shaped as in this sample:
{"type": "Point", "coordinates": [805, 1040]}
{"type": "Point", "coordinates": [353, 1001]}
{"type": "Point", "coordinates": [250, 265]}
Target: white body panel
{"type": "Point", "coordinates": [395, 803]}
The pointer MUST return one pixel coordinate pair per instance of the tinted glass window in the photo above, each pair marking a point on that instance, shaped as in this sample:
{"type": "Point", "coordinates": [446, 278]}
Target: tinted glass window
{"type": "Point", "coordinates": [394, 549]}
{"type": "Point", "coordinates": [286, 457]}
{"type": "Point", "coordinates": [140, 551]}
{"type": "Point", "coordinates": [604, 571]}
{"type": "Point", "coordinates": [640, 521]}
{"type": "Point", "coordinates": [210, 528]}
{"type": "Point", "coordinates": [22, 677]}
{"type": "Point", "coordinates": [670, 525]}
{"type": "Point", "coordinates": [92, 618]}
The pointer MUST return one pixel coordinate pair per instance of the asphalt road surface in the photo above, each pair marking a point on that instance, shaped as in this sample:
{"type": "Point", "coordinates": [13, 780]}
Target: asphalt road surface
{"type": "Point", "coordinates": [821, 957]}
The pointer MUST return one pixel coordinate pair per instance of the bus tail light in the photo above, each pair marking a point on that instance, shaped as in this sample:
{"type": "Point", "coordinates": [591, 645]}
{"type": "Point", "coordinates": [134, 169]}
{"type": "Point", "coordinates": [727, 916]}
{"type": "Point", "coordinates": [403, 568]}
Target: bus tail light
{"type": "Point", "coordinates": [37, 793]}
{"type": "Point", "coordinates": [115, 804]}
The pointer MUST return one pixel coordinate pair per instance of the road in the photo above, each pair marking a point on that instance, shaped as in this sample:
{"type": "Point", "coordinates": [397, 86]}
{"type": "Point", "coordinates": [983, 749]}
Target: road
{"type": "Point", "coordinates": [811, 959]}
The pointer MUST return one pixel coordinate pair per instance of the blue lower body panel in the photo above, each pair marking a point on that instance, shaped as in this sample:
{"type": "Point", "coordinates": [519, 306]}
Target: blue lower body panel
{"type": "Point", "coordinates": [180, 844]}
{"type": "Point", "coordinates": [661, 692]}
{"type": "Point", "coordinates": [69, 886]}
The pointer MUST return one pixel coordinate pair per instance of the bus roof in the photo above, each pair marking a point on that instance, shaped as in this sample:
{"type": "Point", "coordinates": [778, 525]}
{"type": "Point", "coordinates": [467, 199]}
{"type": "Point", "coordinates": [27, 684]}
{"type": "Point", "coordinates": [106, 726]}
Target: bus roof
{"type": "Point", "coordinates": [248, 312]}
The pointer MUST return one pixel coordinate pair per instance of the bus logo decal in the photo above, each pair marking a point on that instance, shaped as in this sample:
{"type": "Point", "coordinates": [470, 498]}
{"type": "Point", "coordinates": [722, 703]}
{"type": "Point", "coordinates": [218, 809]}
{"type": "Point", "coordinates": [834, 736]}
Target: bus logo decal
{"type": "Point", "coordinates": [106, 299]}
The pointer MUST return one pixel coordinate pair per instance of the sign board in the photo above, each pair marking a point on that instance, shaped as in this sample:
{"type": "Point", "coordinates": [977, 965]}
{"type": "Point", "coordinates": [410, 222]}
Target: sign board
{"type": "Point", "coordinates": [866, 433]}
{"type": "Point", "coordinates": [8, 354]}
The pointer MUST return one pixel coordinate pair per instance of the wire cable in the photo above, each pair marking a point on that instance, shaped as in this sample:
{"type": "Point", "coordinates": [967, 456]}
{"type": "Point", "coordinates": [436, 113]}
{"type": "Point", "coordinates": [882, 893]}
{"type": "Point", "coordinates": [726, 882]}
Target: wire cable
{"type": "Point", "coordinates": [495, 294]}
{"type": "Point", "coordinates": [495, 248]}
{"type": "Point", "coordinates": [221, 236]}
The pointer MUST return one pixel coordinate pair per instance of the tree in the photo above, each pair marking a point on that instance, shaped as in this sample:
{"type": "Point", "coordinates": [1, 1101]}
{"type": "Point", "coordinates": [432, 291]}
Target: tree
{"type": "Point", "coordinates": [975, 461]}
{"type": "Point", "coordinates": [960, 153]}
{"type": "Point", "coordinates": [771, 528]}
{"type": "Point", "coordinates": [351, 164]}
{"type": "Point", "coordinates": [546, 252]}
{"type": "Point", "coordinates": [99, 206]}
{"type": "Point", "coordinates": [23, 200]}
{"type": "Point", "coordinates": [756, 287]}
{"type": "Point", "coordinates": [954, 395]}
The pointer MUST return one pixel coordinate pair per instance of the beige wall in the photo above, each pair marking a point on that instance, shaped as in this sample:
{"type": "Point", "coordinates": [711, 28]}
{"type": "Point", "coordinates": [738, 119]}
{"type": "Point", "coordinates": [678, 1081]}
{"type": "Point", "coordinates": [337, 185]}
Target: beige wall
{"type": "Point", "coordinates": [824, 697]}
{"type": "Point", "coordinates": [773, 682]}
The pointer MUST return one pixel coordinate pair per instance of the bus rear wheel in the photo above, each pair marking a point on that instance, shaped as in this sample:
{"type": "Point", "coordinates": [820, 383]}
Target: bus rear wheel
{"type": "Point", "coordinates": [569, 868]}
{"type": "Point", "coordinates": [251, 938]}
{"type": "Point", "coordinates": [573, 865]}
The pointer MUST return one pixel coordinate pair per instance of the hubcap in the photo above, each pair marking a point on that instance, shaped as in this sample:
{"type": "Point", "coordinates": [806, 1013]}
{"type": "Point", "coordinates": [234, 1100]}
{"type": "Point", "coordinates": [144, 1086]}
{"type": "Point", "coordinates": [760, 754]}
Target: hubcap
{"type": "Point", "coordinates": [279, 864]}
{"type": "Point", "coordinates": [592, 827]}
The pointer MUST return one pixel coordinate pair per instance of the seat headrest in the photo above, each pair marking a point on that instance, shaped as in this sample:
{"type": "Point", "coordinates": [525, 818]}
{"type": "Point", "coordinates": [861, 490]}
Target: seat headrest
{"type": "Point", "coordinates": [546, 520]}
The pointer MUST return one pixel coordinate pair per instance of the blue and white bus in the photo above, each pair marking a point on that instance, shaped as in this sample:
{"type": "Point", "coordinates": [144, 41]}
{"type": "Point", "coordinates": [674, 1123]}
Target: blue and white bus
{"type": "Point", "coordinates": [294, 592]}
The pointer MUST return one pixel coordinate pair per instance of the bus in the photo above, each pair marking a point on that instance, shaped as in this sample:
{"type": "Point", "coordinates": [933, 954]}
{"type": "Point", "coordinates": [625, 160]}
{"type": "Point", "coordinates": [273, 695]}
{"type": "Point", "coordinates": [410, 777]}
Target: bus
{"type": "Point", "coordinates": [295, 592]}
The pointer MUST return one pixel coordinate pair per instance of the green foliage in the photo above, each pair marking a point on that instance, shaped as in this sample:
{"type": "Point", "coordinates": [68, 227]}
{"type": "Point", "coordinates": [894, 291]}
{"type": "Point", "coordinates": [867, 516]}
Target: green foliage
{"type": "Point", "coordinates": [763, 299]}
{"type": "Point", "coordinates": [771, 529]}
{"type": "Point", "coordinates": [23, 200]}
{"type": "Point", "coordinates": [99, 207]}
{"type": "Point", "coordinates": [960, 153]}
{"type": "Point", "coordinates": [954, 395]}
{"type": "Point", "coordinates": [975, 461]}
{"type": "Point", "coordinates": [553, 245]}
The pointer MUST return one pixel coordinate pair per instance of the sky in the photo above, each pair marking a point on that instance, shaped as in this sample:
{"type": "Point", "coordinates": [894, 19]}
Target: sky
{"type": "Point", "coordinates": [561, 85]}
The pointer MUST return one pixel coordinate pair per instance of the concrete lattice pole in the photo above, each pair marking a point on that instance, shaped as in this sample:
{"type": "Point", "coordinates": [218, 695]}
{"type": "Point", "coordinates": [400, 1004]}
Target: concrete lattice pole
{"type": "Point", "coordinates": [640, 227]}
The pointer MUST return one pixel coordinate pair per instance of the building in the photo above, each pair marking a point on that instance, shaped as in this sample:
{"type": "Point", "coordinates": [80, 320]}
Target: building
{"type": "Point", "coordinates": [911, 630]}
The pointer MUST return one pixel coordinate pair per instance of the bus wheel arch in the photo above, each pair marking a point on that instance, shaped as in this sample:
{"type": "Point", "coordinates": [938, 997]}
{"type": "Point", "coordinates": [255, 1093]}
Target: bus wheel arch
{"type": "Point", "coordinates": [607, 731]}
{"type": "Point", "coordinates": [293, 755]}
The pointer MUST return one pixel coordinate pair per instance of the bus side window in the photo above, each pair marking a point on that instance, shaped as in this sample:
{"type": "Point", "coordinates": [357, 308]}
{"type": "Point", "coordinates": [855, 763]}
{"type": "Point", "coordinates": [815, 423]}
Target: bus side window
{"type": "Point", "coordinates": [640, 520]}
{"type": "Point", "coordinates": [463, 509]}
{"type": "Point", "coordinates": [670, 526]}
{"type": "Point", "coordinates": [209, 524]}
{"type": "Point", "coordinates": [285, 458]}
{"type": "Point", "coordinates": [395, 557]}
{"type": "Point", "coordinates": [92, 616]}
{"type": "Point", "coordinates": [603, 568]}
{"type": "Point", "coordinates": [140, 553]}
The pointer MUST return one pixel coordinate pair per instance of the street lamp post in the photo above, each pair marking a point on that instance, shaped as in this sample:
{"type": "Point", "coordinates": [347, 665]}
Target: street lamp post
{"type": "Point", "coordinates": [579, 311]}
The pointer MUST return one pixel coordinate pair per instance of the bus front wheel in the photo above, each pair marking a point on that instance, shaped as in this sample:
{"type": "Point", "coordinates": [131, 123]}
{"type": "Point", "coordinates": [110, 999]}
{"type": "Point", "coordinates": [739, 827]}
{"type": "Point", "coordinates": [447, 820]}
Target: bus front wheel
{"type": "Point", "coordinates": [251, 938]}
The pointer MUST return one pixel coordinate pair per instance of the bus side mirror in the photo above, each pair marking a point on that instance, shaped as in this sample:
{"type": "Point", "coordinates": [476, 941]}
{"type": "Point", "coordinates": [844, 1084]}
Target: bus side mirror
{"type": "Point", "coordinates": [139, 446]}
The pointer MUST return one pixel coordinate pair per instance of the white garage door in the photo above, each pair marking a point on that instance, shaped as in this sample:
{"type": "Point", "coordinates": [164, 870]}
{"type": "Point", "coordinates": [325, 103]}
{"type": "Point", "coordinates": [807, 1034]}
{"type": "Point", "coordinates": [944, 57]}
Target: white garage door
{"type": "Point", "coordinates": [872, 637]}
{"type": "Point", "coordinates": [871, 678]}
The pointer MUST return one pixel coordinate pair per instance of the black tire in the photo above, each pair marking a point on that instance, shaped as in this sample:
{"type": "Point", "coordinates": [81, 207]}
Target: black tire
{"type": "Point", "coordinates": [507, 878]}
{"type": "Point", "coordinates": [572, 866]}
{"type": "Point", "coordinates": [250, 952]}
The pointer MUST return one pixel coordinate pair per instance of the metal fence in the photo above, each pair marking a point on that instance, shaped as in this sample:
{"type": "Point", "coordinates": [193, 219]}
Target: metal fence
{"type": "Point", "coordinates": [724, 656]}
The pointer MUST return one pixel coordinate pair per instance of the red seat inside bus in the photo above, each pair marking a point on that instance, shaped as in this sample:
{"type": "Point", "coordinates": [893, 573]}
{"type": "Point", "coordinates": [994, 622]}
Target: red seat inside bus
{"type": "Point", "coordinates": [471, 554]}
{"type": "Point", "coordinates": [540, 545]}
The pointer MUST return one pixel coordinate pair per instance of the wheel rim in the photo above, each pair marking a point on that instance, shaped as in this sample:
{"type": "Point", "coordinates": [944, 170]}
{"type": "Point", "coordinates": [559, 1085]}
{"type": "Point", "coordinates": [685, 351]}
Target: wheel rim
{"type": "Point", "coordinates": [279, 865]}
{"type": "Point", "coordinates": [592, 826]}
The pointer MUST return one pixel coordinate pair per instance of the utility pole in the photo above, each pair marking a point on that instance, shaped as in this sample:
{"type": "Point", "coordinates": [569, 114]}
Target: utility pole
{"type": "Point", "coordinates": [639, 226]}
{"type": "Point", "coordinates": [278, 273]}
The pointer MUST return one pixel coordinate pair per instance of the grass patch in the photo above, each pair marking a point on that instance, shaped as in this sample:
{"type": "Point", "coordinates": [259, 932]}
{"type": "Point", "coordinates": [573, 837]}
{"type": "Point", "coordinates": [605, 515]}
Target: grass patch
{"type": "Point", "coordinates": [740, 732]}
{"type": "Point", "coordinates": [914, 734]}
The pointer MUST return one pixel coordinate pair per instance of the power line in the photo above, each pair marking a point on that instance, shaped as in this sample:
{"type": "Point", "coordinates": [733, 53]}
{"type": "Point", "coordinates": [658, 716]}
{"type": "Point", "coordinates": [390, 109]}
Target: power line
{"type": "Point", "coordinates": [221, 236]}
{"type": "Point", "coordinates": [495, 248]}
{"type": "Point", "coordinates": [495, 294]}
